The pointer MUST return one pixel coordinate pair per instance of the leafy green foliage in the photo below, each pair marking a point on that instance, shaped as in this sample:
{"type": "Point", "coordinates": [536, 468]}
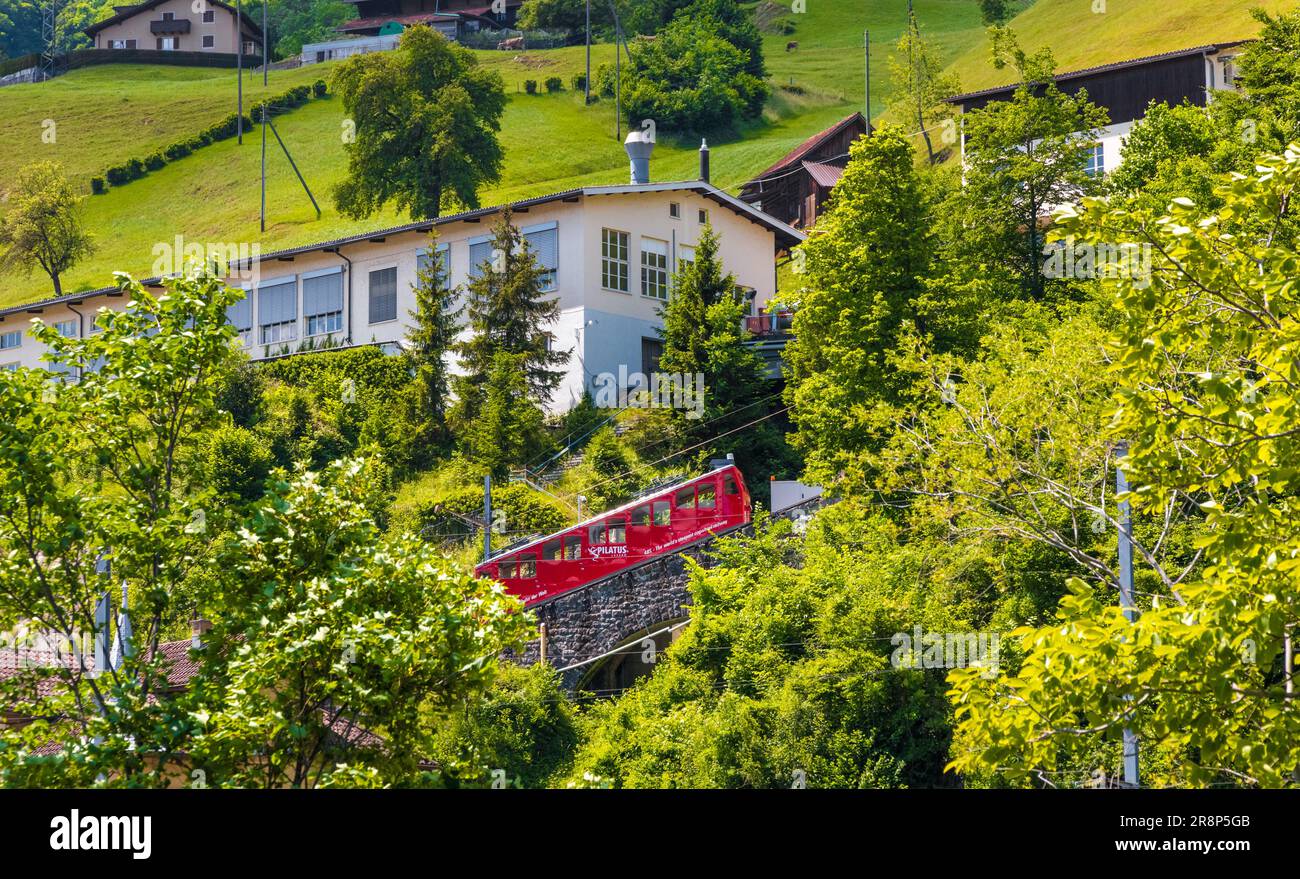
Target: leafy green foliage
{"type": "Point", "coordinates": [523, 728]}
{"type": "Point", "coordinates": [426, 118]}
{"type": "Point", "coordinates": [691, 79]}
{"type": "Point", "coordinates": [42, 227]}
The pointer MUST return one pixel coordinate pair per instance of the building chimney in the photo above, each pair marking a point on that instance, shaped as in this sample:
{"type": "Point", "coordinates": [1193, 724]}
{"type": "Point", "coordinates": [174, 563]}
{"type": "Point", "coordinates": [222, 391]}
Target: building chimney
{"type": "Point", "coordinates": [639, 146]}
{"type": "Point", "coordinates": [198, 628]}
{"type": "Point", "coordinates": [704, 160]}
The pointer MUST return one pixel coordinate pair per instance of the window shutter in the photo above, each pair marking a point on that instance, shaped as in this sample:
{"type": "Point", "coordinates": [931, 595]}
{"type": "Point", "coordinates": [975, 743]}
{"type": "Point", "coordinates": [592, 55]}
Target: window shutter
{"type": "Point", "coordinates": [546, 247]}
{"type": "Point", "coordinates": [383, 295]}
{"type": "Point", "coordinates": [479, 253]}
{"type": "Point", "coordinates": [322, 295]}
{"type": "Point", "coordinates": [240, 314]}
{"type": "Point", "coordinates": [278, 303]}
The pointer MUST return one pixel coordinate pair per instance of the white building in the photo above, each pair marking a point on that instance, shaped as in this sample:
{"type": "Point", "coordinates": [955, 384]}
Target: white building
{"type": "Point", "coordinates": [611, 249]}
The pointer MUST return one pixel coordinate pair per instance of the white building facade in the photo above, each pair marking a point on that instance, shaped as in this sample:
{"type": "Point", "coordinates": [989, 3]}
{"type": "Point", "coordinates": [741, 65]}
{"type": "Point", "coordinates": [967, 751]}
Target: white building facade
{"type": "Point", "coordinates": [611, 252]}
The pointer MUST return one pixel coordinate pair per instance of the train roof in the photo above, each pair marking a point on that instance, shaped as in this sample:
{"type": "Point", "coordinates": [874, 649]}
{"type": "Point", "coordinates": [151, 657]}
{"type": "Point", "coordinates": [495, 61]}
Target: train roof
{"type": "Point", "coordinates": [630, 505]}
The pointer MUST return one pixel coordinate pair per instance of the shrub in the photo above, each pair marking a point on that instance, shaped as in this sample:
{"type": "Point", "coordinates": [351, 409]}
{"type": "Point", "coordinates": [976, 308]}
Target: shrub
{"type": "Point", "coordinates": [237, 462]}
{"type": "Point", "coordinates": [319, 89]}
{"type": "Point", "coordinates": [116, 175]}
{"type": "Point", "coordinates": [554, 84]}
{"type": "Point", "coordinates": [134, 169]}
{"type": "Point", "coordinates": [178, 150]}
{"type": "Point", "coordinates": [154, 162]}
{"type": "Point", "coordinates": [530, 86]}
{"type": "Point", "coordinates": [579, 82]}
{"type": "Point", "coordinates": [98, 186]}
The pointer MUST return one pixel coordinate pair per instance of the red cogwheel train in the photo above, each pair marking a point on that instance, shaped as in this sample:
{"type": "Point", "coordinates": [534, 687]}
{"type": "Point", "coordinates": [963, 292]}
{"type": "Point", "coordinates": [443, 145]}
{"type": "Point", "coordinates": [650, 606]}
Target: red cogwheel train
{"type": "Point", "coordinates": [659, 522]}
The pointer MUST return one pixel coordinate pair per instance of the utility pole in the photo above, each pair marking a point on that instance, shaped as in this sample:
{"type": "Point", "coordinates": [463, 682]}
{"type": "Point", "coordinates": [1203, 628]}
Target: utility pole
{"type": "Point", "coordinates": [1130, 752]}
{"type": "Point", "coordinates": [264, 166]}
{"type": "Point", "coordinates": [487, 518]}
{"type": "Point", "coordinates": [239, 71]}
{"type": "Point", "coordinates": [866, 48]}
{"type": "Point", "coordinates": [266, 54]}
{"type": "Point", "coordinates": [586, 98]}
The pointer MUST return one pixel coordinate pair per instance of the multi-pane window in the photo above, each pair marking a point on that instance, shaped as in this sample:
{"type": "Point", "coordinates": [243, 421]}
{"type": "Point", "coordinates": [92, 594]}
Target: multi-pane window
{"type": "Point", "coordinates": [685, 254]}
{"type": "Point", "coordinates": [209, 41]}
{"type": "Point", "coordinates": [545, 243]}
{"type": "Point", "coordinates": [674, 210]}
{"type": "Point", "coordinates": [654, 268]}
{"type": "Point", "coordinates": [209, 17]}
{"type": "Point", "coordinates": [383, 295]}
{"type": "Point", "coordinates": [614, 260]}
{"type": "Point", "coordinates": [68, 329]}
{"type": "Point", "coordinates": [1095, 165]}
{"type": "Point", "coordinates": [277, 309]}
{"type": "Point", "coordinates": [11, 339]}
{"type": "Point", "coordinates": [704, 217]}
{"type": "Point", "coordinates": [322, 303]}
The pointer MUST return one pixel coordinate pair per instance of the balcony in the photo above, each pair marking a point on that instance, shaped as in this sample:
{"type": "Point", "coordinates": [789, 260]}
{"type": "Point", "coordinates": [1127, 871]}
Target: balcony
{"type": "Point", "coordinates": [768, 335]}
{"type": "Point", "coordinates": [170, 26]}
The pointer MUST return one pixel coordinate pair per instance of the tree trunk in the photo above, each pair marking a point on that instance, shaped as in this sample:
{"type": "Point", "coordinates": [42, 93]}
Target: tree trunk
{"type": "Point", "coordinates": [58, 287]}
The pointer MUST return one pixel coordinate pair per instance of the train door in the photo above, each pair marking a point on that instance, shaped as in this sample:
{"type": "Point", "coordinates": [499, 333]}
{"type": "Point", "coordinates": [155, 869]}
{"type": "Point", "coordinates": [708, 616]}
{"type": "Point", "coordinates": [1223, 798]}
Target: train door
{"type": "Point", "coordinates": [733, 504]}
{"type": "Point", "coordinates": [684, 516]}
{"type": "Point", "coordinates": [607, 545]}
{"type": "Point", "coordinates": [640, 532]}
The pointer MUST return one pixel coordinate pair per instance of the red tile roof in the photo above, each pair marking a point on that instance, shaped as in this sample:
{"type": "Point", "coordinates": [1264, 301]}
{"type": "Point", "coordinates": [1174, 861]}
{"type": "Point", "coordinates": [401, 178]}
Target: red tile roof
{"type": "Point", "coordinates": [381, 20]}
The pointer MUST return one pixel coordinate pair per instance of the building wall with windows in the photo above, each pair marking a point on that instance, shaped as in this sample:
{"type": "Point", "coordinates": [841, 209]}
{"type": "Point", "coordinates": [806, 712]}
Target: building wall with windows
{"type": "Point", "coordinates": [360, 290]}
{"type": "Point", "coordinates": [177, 25]}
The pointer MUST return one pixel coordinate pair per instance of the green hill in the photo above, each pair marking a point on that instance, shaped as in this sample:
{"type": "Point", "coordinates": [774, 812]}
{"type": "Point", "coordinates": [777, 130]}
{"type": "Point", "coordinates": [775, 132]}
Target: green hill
{"type": "Point", "coordinates": [1079, 37]}
{"type": "Point", "coordinates": [108, 114]}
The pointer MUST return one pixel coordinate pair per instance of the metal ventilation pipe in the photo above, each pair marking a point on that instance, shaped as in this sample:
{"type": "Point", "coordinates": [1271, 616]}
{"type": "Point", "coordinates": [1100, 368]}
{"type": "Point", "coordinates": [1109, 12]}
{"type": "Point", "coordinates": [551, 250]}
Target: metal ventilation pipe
{"type": "Point", "coordinates": [704, 160]}
{"type": "Point", "coordinates": [639, 146]}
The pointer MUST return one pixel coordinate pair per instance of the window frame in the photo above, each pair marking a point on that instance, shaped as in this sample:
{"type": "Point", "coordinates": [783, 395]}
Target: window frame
{"type": "Point", "coordinates": [654, 277]}
{"type": "Point", "coordinates": [370, 296]}
{"type": "Point", "coordinates": [622, 241]}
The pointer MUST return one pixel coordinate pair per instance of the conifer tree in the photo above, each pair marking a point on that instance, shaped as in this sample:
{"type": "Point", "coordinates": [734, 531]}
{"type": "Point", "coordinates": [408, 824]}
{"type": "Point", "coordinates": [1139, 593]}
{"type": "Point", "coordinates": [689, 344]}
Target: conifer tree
{"type": "Point", "coordinates": [433, 337]}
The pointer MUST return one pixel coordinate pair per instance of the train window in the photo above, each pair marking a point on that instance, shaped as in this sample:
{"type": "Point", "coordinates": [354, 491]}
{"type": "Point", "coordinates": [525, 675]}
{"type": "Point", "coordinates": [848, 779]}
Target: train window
{"type": "Point", "coordinates": [686, 498]}
{"type": "Point", "coordinates": [551, 550]}
{"type": "Point", "coordinates": [641, 516]}
{"type": "Point", "coordinates": [528, 565]}
{"type": "Point", "coordinates": [706, 497]}
{"type": "Point", "coordinates": [616, 531]}
{"type": "Point", "coordinates": [508, 571]}
{"type": "Point", "coordinates": [611, 531]}
{"type": "Point", "coordinates": [663, 512]}
{"type": "Point", "coordinates": [729, 485]}
{"type": "Point", "coordinates": [573, 547]}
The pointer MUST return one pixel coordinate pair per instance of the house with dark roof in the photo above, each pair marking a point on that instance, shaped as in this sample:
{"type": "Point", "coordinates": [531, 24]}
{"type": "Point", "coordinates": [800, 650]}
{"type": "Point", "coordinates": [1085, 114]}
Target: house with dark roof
{"type": "Point", "coordinates": [795, 188]}
{"type": "Point", "coordinates": [1127, 88]}
{"type": "Point", "coordinates": [178, 26]}
{"type": "Point", "coordinates": [608, 254]}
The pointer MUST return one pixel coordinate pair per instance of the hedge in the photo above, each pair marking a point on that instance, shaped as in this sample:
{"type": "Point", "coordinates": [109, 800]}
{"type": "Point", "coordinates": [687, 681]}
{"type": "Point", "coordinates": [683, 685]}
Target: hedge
{"type": "Point", "coordinates": [133, 169]}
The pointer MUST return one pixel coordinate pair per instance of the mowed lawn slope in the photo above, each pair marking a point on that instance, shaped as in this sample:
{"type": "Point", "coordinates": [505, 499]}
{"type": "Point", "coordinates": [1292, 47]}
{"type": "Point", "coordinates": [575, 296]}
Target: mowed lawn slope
{"type": "Point", "coordinates": [1079, 37]}
{"type": "Point", "coordinates": [552, 142]}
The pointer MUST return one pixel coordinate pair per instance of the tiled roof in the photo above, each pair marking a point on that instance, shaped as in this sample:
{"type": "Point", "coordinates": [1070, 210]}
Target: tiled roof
{"type": "Point", "coordinates": [357, 24]}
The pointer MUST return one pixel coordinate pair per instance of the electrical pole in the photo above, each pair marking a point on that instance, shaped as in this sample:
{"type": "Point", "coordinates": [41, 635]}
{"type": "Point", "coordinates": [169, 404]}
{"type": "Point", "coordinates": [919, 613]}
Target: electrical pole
{"type": "Point", "coordinates": [266, 55]}
{"type": "Point", "coordinates": [866, 48]}
{"type": "Point", "coordinates": [586, 98]}
{"type": "Point", "coordinates": [1130, 751]}
{"type": "Point", "coordinates": [264, 166]}
{"type": "Point", "coordinates": [239, 71]}
{"type": "Point", "coordinates": [487, 518]}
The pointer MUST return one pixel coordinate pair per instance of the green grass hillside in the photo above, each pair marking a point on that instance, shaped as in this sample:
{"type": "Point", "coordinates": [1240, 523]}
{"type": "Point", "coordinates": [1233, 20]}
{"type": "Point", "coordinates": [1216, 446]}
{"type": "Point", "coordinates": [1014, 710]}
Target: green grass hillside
{"type": "Point", "coordinates": [108, 114]}
{"type": "Point", "coordinates": [1079, 37]}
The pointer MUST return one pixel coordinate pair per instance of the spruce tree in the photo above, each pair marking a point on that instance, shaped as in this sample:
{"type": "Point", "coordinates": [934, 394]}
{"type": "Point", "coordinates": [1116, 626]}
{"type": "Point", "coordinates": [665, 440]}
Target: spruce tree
{"type": "Point", "coordinates": [436, 325]}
